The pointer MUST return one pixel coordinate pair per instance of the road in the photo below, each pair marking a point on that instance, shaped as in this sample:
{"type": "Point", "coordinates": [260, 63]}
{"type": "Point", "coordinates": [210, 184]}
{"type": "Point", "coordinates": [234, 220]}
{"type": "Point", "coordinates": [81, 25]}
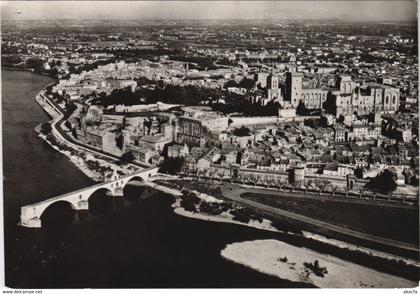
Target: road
{"type": "Point", "coordinates": [55, 125]}
{"type": "Point", "coordinates": [233, 192]}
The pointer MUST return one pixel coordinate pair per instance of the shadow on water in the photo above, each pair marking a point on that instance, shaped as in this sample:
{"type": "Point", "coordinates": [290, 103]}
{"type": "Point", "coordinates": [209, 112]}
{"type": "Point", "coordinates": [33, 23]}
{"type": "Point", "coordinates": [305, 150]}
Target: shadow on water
{"type": "Point", "coordinates": [133, 191]}
{"type": "Point", "coordinates": [58, 217]}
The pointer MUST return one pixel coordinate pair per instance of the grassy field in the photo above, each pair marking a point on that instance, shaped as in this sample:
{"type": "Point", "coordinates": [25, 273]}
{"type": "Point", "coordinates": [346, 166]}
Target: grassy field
{"type": "Point", "coordinates": [397, 223]}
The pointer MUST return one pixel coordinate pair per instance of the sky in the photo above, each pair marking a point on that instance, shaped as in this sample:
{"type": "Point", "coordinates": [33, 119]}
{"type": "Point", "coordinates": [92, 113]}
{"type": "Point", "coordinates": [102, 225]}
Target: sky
{"type": "Point", "coordinates": [387, 10]}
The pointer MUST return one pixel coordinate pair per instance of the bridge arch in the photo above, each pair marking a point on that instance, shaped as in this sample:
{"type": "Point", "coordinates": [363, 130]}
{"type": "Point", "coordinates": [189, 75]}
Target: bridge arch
{"type": "Point", "coordinates": [30, 215]}
{"type": "Point", "coordinates": [41, 212]}
{"type": "Point", "coordinates": [105, 189]}
{"type": "Point", "coordinates": [57, 215]}
{"type": "Point", "coordinates": [99, 201]}
{"type": "Point", "coordinates": [133, 193]}
{"type": "Point", "coordinates": [134, 178]}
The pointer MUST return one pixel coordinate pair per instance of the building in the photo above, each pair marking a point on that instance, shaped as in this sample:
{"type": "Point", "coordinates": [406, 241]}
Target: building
{"type": "Point", "coordinates": [196, 126]}
{"type": "Point", "coordinates": [143, 155]}
{"type": "Point", "coordinates": [178, 151]}
{"type": "Point", "coordinates": [261, 79]}
{"type": "Point", "coordinates": [155, 143]}
{"type": "Point", "coordinates": [313, 98]}
{"type": "Point", "coordinates": [373, 97]}
{"type": "Point", "coordinates": [100, 137]}
{"type": "Point", "coordinates": [273, 88]}
{"type": "Point", "coordinates": [339, 134]}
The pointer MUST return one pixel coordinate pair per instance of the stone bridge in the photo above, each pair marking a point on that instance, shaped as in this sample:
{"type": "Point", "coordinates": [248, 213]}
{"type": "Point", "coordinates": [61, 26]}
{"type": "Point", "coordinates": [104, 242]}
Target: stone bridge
{"type": "Point", "coordinates": [30, 215]}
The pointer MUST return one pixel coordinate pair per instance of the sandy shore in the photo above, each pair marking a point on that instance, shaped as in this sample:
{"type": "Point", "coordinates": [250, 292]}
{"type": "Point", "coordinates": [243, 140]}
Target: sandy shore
{"type": "Point", "coordinates": [262, 255]}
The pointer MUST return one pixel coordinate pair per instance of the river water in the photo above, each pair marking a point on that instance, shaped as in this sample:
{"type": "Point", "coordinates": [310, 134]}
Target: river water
{"type": "Point", "coordinates": [142, 244]}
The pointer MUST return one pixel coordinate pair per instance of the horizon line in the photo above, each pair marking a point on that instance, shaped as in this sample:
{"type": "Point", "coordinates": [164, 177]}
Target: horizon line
{"type": "Point", "coordinates": [210, 19]}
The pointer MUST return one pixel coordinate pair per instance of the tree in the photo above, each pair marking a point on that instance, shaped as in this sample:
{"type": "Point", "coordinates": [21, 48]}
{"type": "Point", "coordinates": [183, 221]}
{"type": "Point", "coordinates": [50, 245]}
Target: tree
{"type": "Point", "coordinates": [279, 183]}
{"type": "Point", "coordinates": [186, 169]}
{"type": "Point", "coordinates": [212, 172]}
{"type": "Point", "coordinates": [127, 157]}
{"type": "Point", "coordinates": [70, 108]}
{"type": "Point", "coordinates": [172, 165]}
{"type": "Point", "coordinates": [242, 132]}
{"type": "Point", "coordinates": [119, 141]}
{"type": "Point", "coordinates": [46, 128]}
{"type": "Point", "coordinates": [200, 172]}
{"type": "Point", "coordinates": [333, 190]}
{"type": "Point", "coordinates": [148, 124]}
{"type": "Point", "coordinates": [68, 125]}
{"type": "Point", "coordinates": [301, 109]}
{"type": "Point", "coordinates": [383, 182]}
{"type": "Point", "coordinates": [254, 178]}
{"type": "Point", "coordinates": [247, 83]}
{"type": "Point", "coordinates": [161, 121]}
{"type": "Point", "coordinates": [221, 174]}
{"type": "Point", "coordinates": [230, 84]}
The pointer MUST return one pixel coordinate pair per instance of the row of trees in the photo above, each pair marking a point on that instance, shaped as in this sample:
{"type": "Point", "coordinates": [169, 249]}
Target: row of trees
{"type": "Point", "coordinates": [201, 173]}
{"type": "Point", "coordinates": [172, 94]}
{"type": "Point", "coordinates": [188, 95]}
{"type": "Point", "coordinates": [244, 83]}
{"type": "Point", "coordinates": [384, 183]}
{"type": "Point", "coordinates": [172, 166]}
{"type": "Point", "coordinates": [117, 97]}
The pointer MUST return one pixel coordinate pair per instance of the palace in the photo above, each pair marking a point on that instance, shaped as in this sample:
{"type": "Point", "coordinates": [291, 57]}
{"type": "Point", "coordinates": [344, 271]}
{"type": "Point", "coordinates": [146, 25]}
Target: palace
{"type": "Point", "coordinates": [364, 99]}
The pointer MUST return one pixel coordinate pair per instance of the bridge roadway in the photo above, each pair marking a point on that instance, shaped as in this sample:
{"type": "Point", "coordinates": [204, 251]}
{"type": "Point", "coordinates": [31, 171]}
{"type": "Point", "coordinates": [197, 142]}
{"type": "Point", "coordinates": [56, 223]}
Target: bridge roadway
{"type": "Point", "coordinates": [30, 215]}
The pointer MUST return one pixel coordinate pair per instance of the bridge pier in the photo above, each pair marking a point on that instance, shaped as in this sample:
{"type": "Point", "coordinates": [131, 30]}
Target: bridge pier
{"type": "Point", "coordinates": [117, 192]}
{"type": "Point", "coordinates": [82, 205]}
{"type": "Point", "coordinates": [34, 222]}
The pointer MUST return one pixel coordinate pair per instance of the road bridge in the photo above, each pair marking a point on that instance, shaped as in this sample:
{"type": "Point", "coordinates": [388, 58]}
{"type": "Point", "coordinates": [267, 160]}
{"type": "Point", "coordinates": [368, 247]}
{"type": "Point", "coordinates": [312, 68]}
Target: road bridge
{"type": "Point", "coordinates": [30, 215]}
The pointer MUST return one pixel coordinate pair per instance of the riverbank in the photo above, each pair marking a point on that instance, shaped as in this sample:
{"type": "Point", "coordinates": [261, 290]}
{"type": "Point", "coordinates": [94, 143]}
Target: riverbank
{"type": "Point", "coordinates": [233, 192]}
{"type": "Point", "coordinates": [17, 68]}
{"type": "Point", "coordinates": [89, 163]}
{"type": "Point", "coordinates": [224, 217]}
{"type": "Point", "coordinates": [387, 220]}
{"type": "Point", "coordinates": [227, 214]}
{"type": "Point", "coordinates": [285, 261]}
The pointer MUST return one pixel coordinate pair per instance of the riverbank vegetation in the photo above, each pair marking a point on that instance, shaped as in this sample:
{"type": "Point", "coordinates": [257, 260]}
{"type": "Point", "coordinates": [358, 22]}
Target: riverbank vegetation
{"type": "Point", "coordinates": [218, 205]}
{"type": "Point", "coordinates": [97, 167]}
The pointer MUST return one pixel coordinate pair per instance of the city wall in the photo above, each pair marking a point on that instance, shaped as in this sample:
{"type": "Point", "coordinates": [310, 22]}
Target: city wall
{"type": "Point", "coordinates": [287, 177]}
{"type": "Point", "coordinates": [260, 120]}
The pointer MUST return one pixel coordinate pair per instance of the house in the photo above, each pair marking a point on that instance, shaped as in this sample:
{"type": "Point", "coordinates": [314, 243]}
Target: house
{"type": "Point", "coordinates": [153, 142]}
{"type": "Point", "coordinates": [211, 156]}
{"type": "Point", "coordinates": [231, 157]}
{"type": "Point", "coordinates": [203, 163]}
{"type": "Point", "coordinates": [178, 150]}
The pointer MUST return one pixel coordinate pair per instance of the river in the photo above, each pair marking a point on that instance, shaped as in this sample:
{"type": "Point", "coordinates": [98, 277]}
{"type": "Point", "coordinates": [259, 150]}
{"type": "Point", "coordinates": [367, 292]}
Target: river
{"type": "Point", "coordinates": [142, 244]}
